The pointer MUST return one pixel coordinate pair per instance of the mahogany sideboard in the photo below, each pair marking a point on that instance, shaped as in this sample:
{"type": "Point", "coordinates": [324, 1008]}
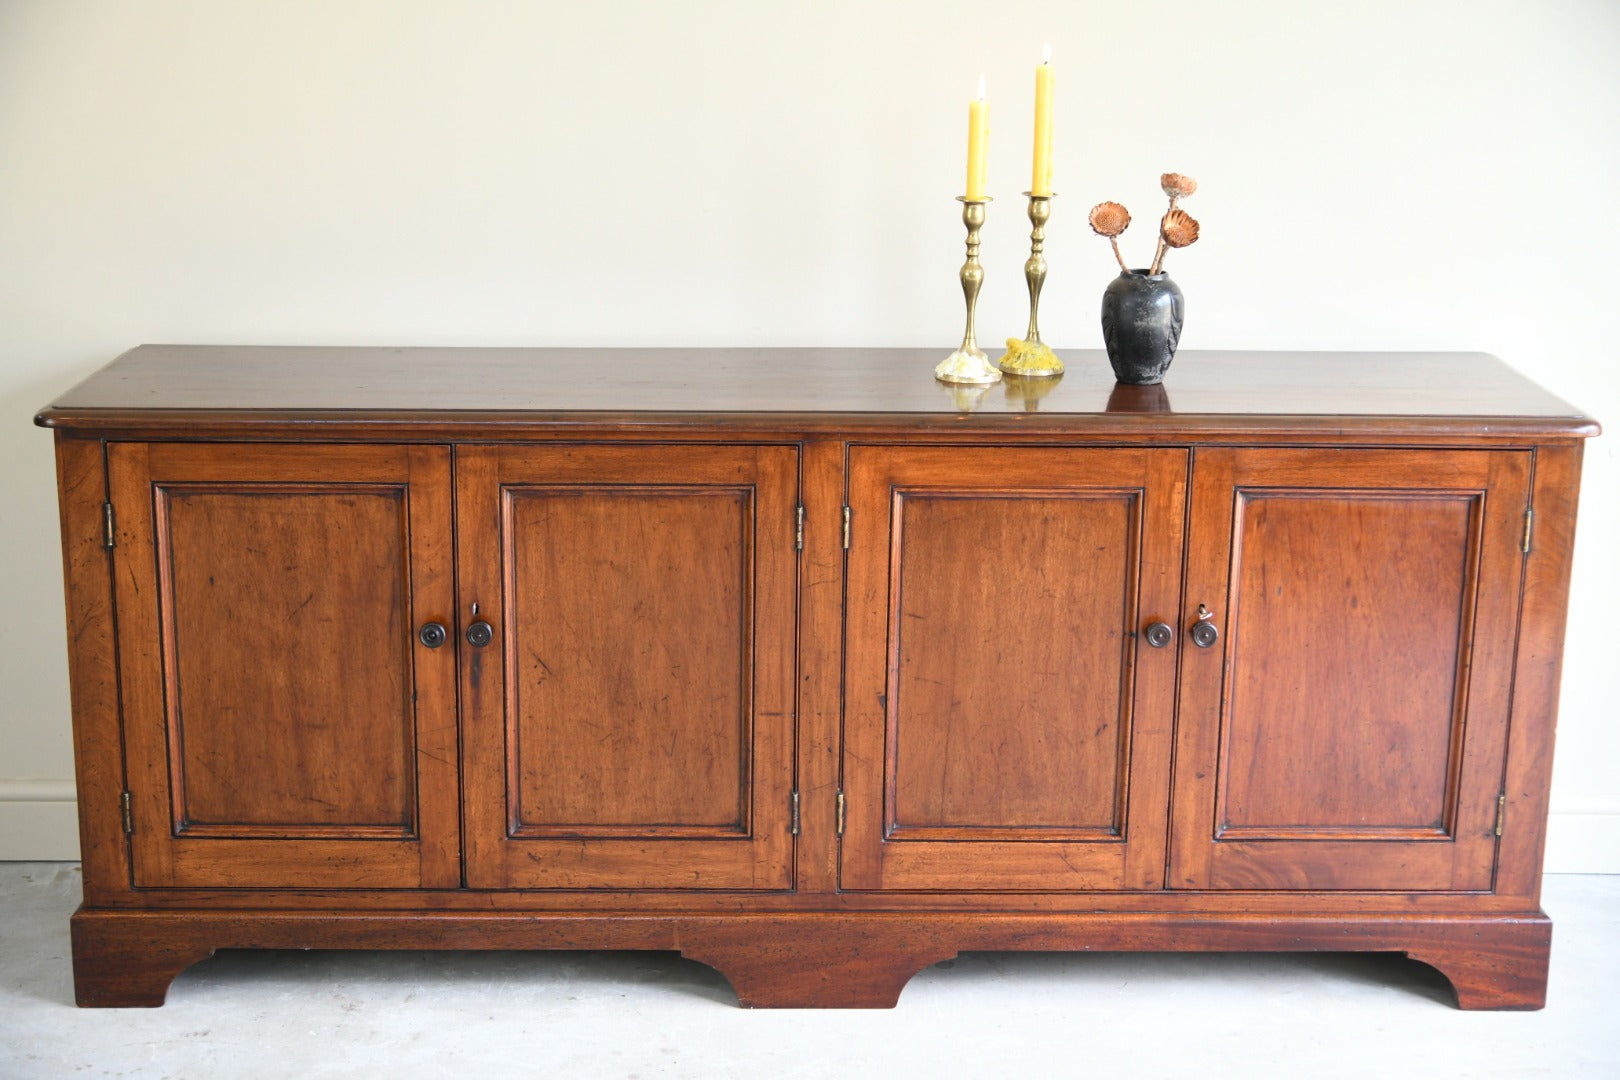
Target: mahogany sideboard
{"type": "Point", "coordinates": [809, 667]}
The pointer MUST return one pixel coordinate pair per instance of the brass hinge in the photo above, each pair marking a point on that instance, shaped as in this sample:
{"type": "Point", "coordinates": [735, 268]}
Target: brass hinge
{"type": "Point", "coordinates": [1529, 523]}
{"type": "Point", "coordinates": [1501, 812]}
{"type": "Point", "coordinates": [128, 814]}
{"type": "Point", "coordinates": [846, 528]}
{"type": "Point", "coordinates": [798, 528]}
{"type": "Point", "coordinates": [794, 814]}
{"type": "Point", "coordinates": [840, 813]}
{"type": "Point", "coordinates": [109, 527]}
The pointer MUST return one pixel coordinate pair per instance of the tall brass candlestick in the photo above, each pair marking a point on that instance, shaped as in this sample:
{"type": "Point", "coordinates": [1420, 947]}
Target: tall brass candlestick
{"type": "Point", "coordinates": [968, 364]}
{"type": "Point", "coordinates": [1031, 356]}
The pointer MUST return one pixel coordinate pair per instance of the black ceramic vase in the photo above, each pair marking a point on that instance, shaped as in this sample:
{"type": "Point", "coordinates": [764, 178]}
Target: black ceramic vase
{"type": "Point", "coordinates": [1141, 320]}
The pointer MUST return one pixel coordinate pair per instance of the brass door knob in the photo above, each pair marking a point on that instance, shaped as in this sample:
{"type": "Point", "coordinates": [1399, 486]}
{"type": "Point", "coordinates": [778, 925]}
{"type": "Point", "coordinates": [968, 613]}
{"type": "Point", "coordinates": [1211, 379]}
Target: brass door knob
{"type": "Point", "coordinates": [480, 634]}
{"type": "Point", "coordinates": [1159, 634]}
{"type": "Point", "coordinates": [1204, 632]}
{"type": "Point", "coordinates": [432, 635]}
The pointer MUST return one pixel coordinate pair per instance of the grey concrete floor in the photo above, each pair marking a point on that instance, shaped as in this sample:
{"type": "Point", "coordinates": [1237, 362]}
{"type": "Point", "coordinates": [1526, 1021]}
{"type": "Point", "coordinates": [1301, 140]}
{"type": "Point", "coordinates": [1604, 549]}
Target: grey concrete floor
{"type": "Point", "coordinates": [421, 1014]}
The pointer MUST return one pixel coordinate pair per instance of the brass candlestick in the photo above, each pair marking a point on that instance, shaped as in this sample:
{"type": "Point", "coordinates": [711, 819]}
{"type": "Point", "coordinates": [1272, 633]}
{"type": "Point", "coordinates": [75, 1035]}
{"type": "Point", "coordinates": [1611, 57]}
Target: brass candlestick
{"type": "Point", "coordinates": [1031, 356]}
{"type": "Point", "coordinates": [968, 364]}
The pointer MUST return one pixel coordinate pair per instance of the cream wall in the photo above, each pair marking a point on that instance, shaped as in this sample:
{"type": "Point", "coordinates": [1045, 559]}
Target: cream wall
{"type": "Point", "coordinates": [1401, 175]}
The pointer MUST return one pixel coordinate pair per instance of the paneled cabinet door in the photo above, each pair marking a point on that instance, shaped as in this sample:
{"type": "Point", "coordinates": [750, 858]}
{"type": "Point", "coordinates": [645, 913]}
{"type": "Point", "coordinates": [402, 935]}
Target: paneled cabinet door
{"type": "Point", "coordinates": [284, 724]}
{"type": "Point", "coordinates": [1346, 728]}
{"type": "Point", "coordinates": [1007, 721]}
{"type": "Point", "coordinates": [629, 724]}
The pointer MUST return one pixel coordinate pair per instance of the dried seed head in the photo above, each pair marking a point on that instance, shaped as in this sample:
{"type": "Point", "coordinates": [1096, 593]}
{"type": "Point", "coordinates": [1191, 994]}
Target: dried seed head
{"type": "Point", "coordinates": [1177, 186]}
{"type": "Point", "coordinates": [1179, 229]}
{"type": "Point", "coordinates": [1109, 219]}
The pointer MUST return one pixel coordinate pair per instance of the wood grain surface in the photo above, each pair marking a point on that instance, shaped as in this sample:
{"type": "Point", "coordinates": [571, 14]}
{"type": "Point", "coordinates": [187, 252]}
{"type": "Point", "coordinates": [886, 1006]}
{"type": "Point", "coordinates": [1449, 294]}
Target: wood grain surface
{"type": "Point", "coordinates": [188, 388]}
{"type": "Point", "coordinates": [288, 635]}
{"type": "Point", "coordinates": [631, 646]}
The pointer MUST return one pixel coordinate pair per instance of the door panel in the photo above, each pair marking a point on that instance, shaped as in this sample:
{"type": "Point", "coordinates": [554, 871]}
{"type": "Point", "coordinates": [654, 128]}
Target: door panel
{"type": "Point", "coordinates": [1395, 643]}
{"type": "Point", "coordinates": [627, 717]}
{"type": "Point", "coordinates": [282, 730]}
{"type": "Point", "coordinates": [233, 771]}
{"type": "Point", "coordinates": [1002, 752]}
{"type": "Point", "coordinates": [631, 724]}
{"type": "Point", "coordinates": [1368, 602]}
{"type": "Point", "coordinates": [997, 697]}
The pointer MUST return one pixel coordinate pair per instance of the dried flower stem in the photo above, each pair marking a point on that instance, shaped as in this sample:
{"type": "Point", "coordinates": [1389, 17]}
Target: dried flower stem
{"type": "Point", "coordinates": [1114, 241]}
{"type": "Point", "coordinates": [1159, 252]}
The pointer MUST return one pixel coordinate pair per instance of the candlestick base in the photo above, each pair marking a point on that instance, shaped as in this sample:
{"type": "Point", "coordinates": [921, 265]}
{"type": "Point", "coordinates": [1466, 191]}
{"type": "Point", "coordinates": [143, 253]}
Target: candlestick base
{"type": "Point", "coordinates": [967, 365]}
{"type": "Point", "coordinates": [1032, 358]}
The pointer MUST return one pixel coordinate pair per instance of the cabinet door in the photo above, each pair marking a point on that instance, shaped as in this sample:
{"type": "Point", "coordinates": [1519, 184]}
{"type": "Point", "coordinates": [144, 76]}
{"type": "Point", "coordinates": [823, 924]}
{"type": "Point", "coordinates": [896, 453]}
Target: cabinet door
{"type": "Point", "coordinates": [1007, 726]}
{"type": "Point", "coordinates": [630, 725]}
{"type": "Point", "coordinates": [283, 724]}
{"type": "Point", "coordinates": [1347, 729]}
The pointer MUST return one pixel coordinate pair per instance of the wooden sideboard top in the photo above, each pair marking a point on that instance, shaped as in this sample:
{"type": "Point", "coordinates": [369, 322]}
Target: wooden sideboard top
{"type": "Point", "coordinates": [160, 387]}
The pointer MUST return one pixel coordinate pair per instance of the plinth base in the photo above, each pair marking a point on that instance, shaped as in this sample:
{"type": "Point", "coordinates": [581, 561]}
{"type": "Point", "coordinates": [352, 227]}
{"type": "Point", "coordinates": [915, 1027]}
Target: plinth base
{"type": "Point", "coordinates": [811, 959]}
